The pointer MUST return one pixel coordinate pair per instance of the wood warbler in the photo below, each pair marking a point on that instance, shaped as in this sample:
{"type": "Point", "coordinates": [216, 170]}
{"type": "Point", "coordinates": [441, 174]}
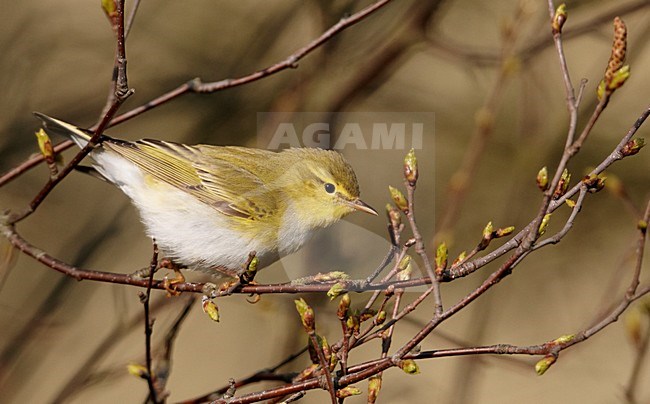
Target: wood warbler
{"type": "Point", "coordinates": [208, 207]}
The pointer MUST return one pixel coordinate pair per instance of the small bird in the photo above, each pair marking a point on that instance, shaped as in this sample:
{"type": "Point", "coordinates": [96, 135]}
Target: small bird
{"type": "Point", "coordinates": [208, 207]}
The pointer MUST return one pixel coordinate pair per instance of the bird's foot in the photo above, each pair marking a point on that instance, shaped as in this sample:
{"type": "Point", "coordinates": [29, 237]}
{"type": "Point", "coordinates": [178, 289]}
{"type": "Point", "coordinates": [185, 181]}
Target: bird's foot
{"type": "Point", "coordinates": [168, 282]}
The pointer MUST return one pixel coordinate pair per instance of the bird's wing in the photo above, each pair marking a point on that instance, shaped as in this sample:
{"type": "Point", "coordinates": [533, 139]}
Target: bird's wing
{"type": "Point", "coordinates": [212, 174]}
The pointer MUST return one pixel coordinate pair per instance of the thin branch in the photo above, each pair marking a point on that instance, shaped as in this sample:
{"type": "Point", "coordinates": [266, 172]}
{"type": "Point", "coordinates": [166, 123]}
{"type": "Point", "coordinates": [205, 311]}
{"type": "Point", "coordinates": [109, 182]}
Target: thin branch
{"type": "Point", "coordinates": [419, 248]}
{"type": "Point", "coordinates": [324, 364]}
{"type": "Point", "coordinates": [572, 107]}
{"type": "Point", "coordinates": [122, 92]}
{"type": "Point", "coordinates": [148, 323]}
{"type": "Point", "coordinates": [163, 365]}
{"type": "Point", "coordinates": [368, 369]}
{"type": "Point", "coordinates": [515, 241]}
{"type": "Point", "coordinates": [568, 224]}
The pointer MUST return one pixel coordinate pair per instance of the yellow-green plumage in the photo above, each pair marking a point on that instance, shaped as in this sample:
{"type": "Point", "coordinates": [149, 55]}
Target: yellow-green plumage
{"type": "Point", "coordinates": [210, 206]}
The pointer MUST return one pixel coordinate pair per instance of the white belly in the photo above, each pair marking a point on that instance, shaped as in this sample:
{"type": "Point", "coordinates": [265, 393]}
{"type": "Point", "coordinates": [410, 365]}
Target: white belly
{"type": "Point", "coordinates": [186, 230]}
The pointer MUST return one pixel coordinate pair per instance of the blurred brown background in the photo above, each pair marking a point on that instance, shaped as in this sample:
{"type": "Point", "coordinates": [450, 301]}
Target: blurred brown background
{"type": "Point", "coordinates": [411, 57]}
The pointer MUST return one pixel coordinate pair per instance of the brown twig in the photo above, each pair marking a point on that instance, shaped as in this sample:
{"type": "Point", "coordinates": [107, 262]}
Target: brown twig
{"type": "Point", "coordinates": [163, 365]}
{"type": "Point", "coordinates": [567, 225]}
{"type": "Point", "coordinates": [324, 364]}
{"type": "Point", "coordinates": [463, 270]}
{"type": "Point", "coordinates": [515, 241]}
{"type": "Point", "coordinates": [357, 373]}
{"type": "Point", "coordinates": [420, 250]}
{"type": "Point", "coordinates": [145, 298]}
{"type": "Point", "coordinates": [122, 92]}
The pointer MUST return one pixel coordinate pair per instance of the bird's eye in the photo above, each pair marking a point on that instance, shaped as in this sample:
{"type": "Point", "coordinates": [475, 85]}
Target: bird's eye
{"type": "Point", "coordinates": [330, 188]}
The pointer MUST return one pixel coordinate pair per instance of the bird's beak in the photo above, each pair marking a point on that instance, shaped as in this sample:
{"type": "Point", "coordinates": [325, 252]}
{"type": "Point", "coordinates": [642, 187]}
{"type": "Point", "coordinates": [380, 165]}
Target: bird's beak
{"type": "Point", "coordinates": [360, 205]}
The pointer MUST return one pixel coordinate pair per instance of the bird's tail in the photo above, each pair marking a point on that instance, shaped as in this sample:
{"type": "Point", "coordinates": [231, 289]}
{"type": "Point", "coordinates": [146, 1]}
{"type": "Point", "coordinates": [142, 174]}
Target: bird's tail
{"type": "Point", "coordinates": [55, 126]}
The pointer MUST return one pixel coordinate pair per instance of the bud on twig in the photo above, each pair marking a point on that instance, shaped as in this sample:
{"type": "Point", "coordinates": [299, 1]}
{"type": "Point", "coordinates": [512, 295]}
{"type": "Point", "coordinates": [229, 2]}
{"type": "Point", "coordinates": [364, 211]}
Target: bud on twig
{"type": "Point", "coordinates": [559, 19]}
{"type": "Point", "coordinates": [394, 216]}
{"type": "Point", "coordinates": [45, 145]}
{"type": "Point", "coordinates": [488, 231]}
{"type": "Point", "coordinates": [251, 268]}
{"type": "Point", "coordinates": [399, 199]}
{"type": "Point", "coordinates": [47, 150]}
{"type": "Point", "coordinates": [542, 179]}
{"type": "Point", "coordinates": [594, 183]}
{"type": "Point", "coordinates": [642, 225]}
{"type": "Point", "coordinates": [110, 8]}
{"type": "Point", "coordinates": [347, 392]}
{"type": "Point", "coordinates": [137, 370]}
{"type": "Point", "coordinates": [504, 232]}
{"type": "Point", "coordinates": [306, 315]}
{"type": "Point", "coordinates": [411, 168]}
{"type": "Point", "coordinates": [409, 366]}
{"type": "Point", "coordinates": [562, 185]}
{"type": "Point", "coordinates": [405, 269]}
{"type": "Point", "coordinates": [374, 385]}
{"type": "Point", "coordinates": [441, 257]}
{"type": "Point", "coordinates": [325, 347]}
{"type": "Point", "coordinates": [336, 290]}
{"type": "Point", "coordinates": [542, 226]}
{"type": "Point", "coordinates": [404, 262]}
{"type": "Point", "coordinates": [210, 308]}
{"type": "Point", "coordinates": [353, 323]}
{"type": "Point", "coordinates": [461, 257]}
{"type": "Point", "coordinates": [544, 364]}
{"type": "Point", "coordinates": [381, 317]}
{"type": "Point", "coordinates": [616, 73]}
{"type": "Point", "coordinates": [344, 306]}
{"type": "Point", "coordinates": [564, 339]}
{"type": "Point", "coordinates": [633, 147]}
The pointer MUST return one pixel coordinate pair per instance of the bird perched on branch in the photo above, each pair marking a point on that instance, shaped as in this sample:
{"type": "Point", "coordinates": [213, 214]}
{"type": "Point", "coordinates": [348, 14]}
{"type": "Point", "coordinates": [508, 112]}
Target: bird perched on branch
{"type": "Point", "coordinates": [208, 207]}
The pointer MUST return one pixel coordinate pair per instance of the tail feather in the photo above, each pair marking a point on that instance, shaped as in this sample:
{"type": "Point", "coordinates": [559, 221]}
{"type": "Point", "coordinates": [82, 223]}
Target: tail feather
{"type": "Point", "coordinates": [78, 135]}
{"type": "Point", "coordinates": [55, 126]}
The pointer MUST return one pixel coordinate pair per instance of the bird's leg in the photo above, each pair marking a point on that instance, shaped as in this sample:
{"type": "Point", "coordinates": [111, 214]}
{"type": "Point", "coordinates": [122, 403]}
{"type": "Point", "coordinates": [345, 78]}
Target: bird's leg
{"type": "Point", "coordinates": [168, 283]}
